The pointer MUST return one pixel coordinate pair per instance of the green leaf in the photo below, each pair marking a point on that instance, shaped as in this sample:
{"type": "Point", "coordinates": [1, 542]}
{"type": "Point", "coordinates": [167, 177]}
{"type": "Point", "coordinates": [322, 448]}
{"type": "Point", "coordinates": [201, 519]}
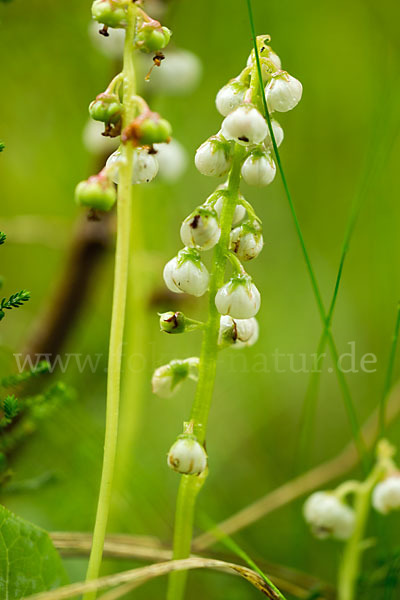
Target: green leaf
{"type": "Point", "coordinates": [29, 563]}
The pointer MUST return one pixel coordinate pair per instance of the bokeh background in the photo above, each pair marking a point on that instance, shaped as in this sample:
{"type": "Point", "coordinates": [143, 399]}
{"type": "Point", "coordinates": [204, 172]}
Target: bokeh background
{"type": "Point", "coordinates": [346, 128]}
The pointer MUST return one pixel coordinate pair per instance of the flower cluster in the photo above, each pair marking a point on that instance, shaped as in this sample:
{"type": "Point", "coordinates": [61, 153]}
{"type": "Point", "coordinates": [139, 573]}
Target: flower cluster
{"type": "Point", "coordinates": [226, 222]}
{"type": "Point", "coordinates": [329, 514]}
{"type": "Point", "coordinates": [148, 132]}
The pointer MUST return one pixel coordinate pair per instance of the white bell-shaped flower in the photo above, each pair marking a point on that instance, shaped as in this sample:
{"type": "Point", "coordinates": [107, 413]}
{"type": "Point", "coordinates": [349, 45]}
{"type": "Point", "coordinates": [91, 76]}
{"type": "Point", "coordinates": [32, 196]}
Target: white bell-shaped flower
{"type": "Point", "coordinates": [258, 169]}
{"type": "Point", "coordinates": [239, 333]}
{"type": "Point", "coordinates": [245, 125]}
{"type": "Point", "coordinates": [238, 298]}
{"type": "Point", "coordinates": [145, 166]}
{"type": "Point", "coordinates": [186, 273]}
{"type": "Point", "coordinates": [240, 210]}
{"type": "Point", "coordinates": [283, 92]}
{"type": "Point", "coordinates": [267, 56]}
{"type": "Point", "coordinates": [246, 241]}
{"type": "Point", "coordinates": [386, 494]}
{"type": "Point", "coordinates": [172, 160]}
{"type": "Point", "coordinates": [278, 135]}
{"type": "Point", "coordinates": [328, 516]}
{"type": "Point", "coordinates": [230, 97]}
{"type": "Point", "coordinates": [201, 229]}
{"type": "Point", "coordinates": [167, 379]}
{"type": "Point", "coordinates": [213, 158]}
{"type": "Point", "coordinates": [187, 456]}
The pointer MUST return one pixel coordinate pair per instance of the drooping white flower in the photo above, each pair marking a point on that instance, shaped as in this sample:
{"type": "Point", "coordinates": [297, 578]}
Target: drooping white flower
{"type": "Point", "coordinates": [187, 456]}
{"type": "Point", "coordinates": [328, 516]}
{"type": "Point", "coordinates": [167, 379]}
{"type": "Point", "coordinates": [240, 210]}
{"type": "Point", "coordinates": [94, 142]}
{"type": "Point", "coordinates": [245, 125]}
{"type": "Point", "coordinates": [238, 298]}
{"type": "Point", "coordinates": [269, 55]}
{"type": "Point", "coordinates": [179, 74]}
{"type": "Point", "coordinates": [258, 169]}
{"type": "Point", "coordinates": [386, 494]}
{"type": "Point", "coordinates": [213, 158]}
{"type": "Point", "coordinates": [201, 229]}
{"type": "Point", "coordinates": [246, 241]}
{"type": "Point", "coordinates": [230, 97]}
{"type": "Point", "coordinates": [283, 92]}
{"type": "Point", "coordinates": [145, 166]}
{"type": "Point", "coordinates": [238, 332]}
{"type": "Point", "coordinates": [186, 273]}
{"type": "Point", "coordinates": [172, 160]}
{"type": "Point", "coordinates": [278, 134]}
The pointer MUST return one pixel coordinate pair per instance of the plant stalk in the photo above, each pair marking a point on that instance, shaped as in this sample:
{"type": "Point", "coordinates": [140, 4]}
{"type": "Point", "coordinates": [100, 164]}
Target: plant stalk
{"type": "Point", "coordinates": [191, 485]}
{"type": "Point", "coordinates": [118, 311]}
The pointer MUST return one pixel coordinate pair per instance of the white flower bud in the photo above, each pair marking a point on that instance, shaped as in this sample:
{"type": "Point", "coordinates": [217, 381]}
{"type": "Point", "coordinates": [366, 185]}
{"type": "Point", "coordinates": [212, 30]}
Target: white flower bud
{"type": "Point", "coordinates": [269, 55]}
{"type": "Point", "coordinates": [187, 456]}
{"type": "Point", "coordinates": [172, 160]}
{"type": "Point", "coordinates": [94, 141]}
{"type": "Point", "coordinates": [328, 516]}
{"type": "Point", "coordinates": [167, 379]}
{"type": "Point", "coordinates": [238, 332]}
{"type": "Point", "coordinates": [258, 169]}
{"type": "Point", "coordinates": [278, 134]}
{"type": "Point", "coordinates": [213, 157]}
{"type": "Point", "coordinates": [283, 92]}
{"type": "Point", "coordinates": [186, 273]}
{"type": "Point", "coordinates": [245, 125]}
{"type": "Point", "coordinates": [386, 494]}
{"type": "Point", "coordinates": [145, 166]}
{"type": "Point", "coordinates": [246, 241]}
{"type": "Point", "coordinates": [178, 75]}
{"type": "Point", "coordinates": [230, 97]}
{"type": "Point", "coordinates": [238, 298]}
{"type": "Point", "coordinates": [240, 210]}
{"type": "Point", "coordinates": [201, 229]}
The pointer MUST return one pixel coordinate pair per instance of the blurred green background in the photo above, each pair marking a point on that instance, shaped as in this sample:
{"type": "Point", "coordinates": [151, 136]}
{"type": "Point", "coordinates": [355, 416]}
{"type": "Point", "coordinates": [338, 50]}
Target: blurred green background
{"type": "Point", "coordinates": [347, 56]}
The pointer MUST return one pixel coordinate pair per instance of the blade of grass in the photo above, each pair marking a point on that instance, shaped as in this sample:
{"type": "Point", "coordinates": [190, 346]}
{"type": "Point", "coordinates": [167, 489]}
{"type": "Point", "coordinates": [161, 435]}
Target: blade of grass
{"type": "Point", "coordinates": [353, 420]}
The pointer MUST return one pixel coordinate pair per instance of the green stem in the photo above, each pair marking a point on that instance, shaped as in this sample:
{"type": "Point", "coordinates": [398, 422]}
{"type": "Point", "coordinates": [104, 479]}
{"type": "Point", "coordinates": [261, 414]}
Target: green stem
{"type": "Point", "coordinates": [118, 314]}
{"type": "Point", "coordinates": [389, 375]}
{"type": "Point", "coordinates": [191, 485]}
{"type": "Point", "coordinates": [351, 559]}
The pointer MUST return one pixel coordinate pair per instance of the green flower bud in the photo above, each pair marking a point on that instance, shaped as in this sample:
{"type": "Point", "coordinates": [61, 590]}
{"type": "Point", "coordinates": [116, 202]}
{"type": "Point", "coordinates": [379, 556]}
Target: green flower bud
{"type": "Point", "coordinates": [152, 37]}
{"type": "Point", "coordinates": [172, 322]}
{"type": "Point", "coordinates": [111, 13]}
{"type": "Point", "coordinates": [106, 108]}
{"type": "Point", "coordinates": [148, 129]}
{"type": "Point", "coordinates": [97, 192]}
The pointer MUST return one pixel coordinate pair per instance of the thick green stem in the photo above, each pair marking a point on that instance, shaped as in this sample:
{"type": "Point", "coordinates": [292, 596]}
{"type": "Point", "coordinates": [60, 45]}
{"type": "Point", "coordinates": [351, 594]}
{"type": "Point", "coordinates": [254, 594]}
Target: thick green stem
{"type": "Point", "coordinates": [191, 485]}
{"type": "Point", "coordinates": [351, 559]}
{"type": "Point", "coordinates": [118, 313]}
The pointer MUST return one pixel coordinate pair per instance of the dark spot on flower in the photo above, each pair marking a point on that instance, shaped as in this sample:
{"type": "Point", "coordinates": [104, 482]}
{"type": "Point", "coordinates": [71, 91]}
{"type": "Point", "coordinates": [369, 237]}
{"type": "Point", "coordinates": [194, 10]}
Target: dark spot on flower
{"type": "Point", "coordinates": [195, 223]}
{"type": "Point", "coordinates": [243, 138]}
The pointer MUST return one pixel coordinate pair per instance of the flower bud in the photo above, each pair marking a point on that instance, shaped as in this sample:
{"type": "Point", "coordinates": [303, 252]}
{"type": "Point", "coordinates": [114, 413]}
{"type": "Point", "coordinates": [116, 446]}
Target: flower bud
{"type": "Point", "coordinates": [111, 13]}
{"type": "Point", "coordinates": [187, 456]}
{"type": "Point", "coordinates": [186, 273]}
{"type": "Point", "coordinates": [97, 192]}
{"type": "Point", "coordinates": [283, 92]}
{"type": "Point", "coordinates": [238, 298]}
{"type": "Point", "coordinates": [266, 55]}
{"type": "Point", "coordinates": [167, 379]}
{"type": "Point", "coordinates": [106, 108]}
{"type": "Point", "coordinates": [172, 322]}
{"type": "Point", "coordinates": [245, 125]}
{"type": "Point", "coordinates": [237, 332]}
{"type": "Point", "coordinates": [213, 157]}
{"type": "Point", "coordinates": [386, 494]}
{"type": "Point", "coordinates": [145, 166]}
{"type": "Point", "coordinates": [258, 169]}
{"type": "Point", "coordinates": [246, 241]}
{"type": "Point", "coordinates": [328, 516]}
{"type": "Point", "coordinates": [152, 37]}
{"type": "Point", "coordinates": [172, 160]}
{"type": "Point", "coordinates": [230, 97]}
{"type": "Point", "coordinates": [240, 210]}
{"type": "Point", "coordinates": [278, 134]}
{"type": "Point", "coordinates": [201, 229]}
